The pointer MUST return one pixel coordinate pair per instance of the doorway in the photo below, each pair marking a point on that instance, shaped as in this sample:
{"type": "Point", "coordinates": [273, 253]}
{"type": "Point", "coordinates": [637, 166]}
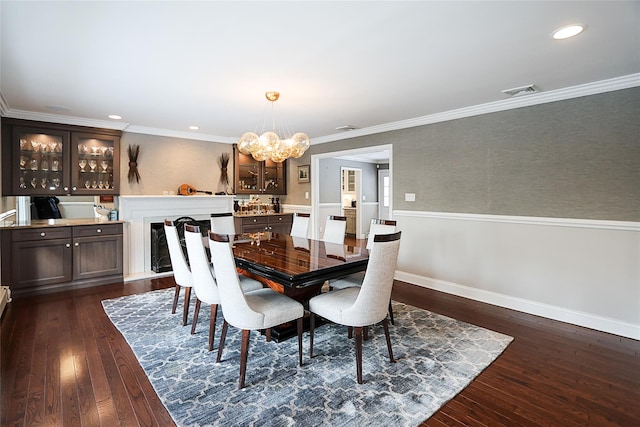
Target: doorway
{"type": "Point", "coordinates": [351, 195]}
{"type": "Point", "coordinates": [320, 209]}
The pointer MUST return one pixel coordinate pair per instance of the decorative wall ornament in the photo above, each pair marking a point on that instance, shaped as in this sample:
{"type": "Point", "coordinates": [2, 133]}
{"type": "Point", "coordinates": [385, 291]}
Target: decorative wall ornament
{"type": "Point", "coordinates": [134, 151]}
{"type": "Point", "coordinates": [224, 173]}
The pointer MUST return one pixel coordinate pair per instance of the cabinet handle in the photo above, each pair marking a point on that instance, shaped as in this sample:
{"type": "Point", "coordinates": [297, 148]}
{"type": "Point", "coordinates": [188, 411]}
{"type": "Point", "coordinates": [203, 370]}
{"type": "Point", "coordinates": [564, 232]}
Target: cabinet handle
{"type": "Point", "coordinates": [66, 188]}
{"type": "Point", "coordinates": [42, 234]}
{"type": "Point", "coordinates": [74, 188]}
{"type": "Point", "coordinates": [76, 244]}
{"type": "Point", "coordinates": [99, 230]}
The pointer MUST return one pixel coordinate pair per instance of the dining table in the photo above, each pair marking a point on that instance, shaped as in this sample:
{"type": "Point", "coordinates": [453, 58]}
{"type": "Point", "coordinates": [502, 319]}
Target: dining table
{"type": "Point", "coordinates": [294, 266]}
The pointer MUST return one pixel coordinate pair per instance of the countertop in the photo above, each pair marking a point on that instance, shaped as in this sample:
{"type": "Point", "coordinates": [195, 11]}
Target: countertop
{"type": "Point", "coordinates": [237, 215]}
{"type": "Point", "coordinates": [62, 222]}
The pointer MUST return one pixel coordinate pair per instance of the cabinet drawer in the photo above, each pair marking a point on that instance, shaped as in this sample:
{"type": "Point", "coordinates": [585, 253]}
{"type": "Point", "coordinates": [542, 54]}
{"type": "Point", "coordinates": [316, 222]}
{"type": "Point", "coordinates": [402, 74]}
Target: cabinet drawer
{"type": "Point", "coordinates": [276, 219]}
{"type": "Point", "coordinates": [255, 220]}
{"type": "Point", "coordinates": [44, 233]}
{"type": "Point", "coordinates": [97, 230]}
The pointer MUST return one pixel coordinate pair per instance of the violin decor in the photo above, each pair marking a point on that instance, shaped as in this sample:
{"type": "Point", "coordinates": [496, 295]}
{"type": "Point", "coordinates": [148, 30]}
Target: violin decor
{"type": "Point", "coordinates": [189, 190]}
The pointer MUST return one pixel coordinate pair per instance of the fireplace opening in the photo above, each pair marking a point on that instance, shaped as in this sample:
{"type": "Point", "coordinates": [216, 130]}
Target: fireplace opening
{"type": "Point", "coordinates": [160, 259]}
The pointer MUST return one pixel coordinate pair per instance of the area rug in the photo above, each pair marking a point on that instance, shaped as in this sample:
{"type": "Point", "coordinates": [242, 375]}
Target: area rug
{"type": "Point", "coordinates": [436, 358]}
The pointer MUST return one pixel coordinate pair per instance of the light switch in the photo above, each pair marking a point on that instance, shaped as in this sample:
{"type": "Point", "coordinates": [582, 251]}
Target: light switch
{"type": "Point", "coordinates": [409, 197]}
{"type": "Point", "coordinates": [306, 194]}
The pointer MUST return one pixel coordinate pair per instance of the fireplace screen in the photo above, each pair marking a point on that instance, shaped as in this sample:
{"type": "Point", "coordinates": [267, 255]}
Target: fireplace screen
{"type": "Point", "coordinates": [160, 259]}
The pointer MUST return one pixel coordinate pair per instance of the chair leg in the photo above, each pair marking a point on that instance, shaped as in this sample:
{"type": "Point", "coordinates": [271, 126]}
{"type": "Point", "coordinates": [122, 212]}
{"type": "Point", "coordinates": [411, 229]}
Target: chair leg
{"type": "Point", "coordinates": [244, 353]}
{"type": "Point", "coordinates": [350, 331]}
{"type": "Point", "coordinates": [300, 328]}
{"type": "Point", "coordinates": [223, 336]}
{"type": "Point", "coordinates": [185, 314]}
{"type": "Point", "coordinates": [391, 313]}
{"type": "Point", "coordinates": [365, 333]}
{"type": "Point", "coordinates": [175, 299]}
{"type": "Point", "coordinates": [212, 324]}
{"type": "Point", "coordinates": [195, 317]}
{"type": "Point", "coordinates": [312, 327]}
{"type": "Point", "coordinates": [267, 334]}
{"type": "Point", "coordinates": [358, 333]}
{"type": "Point", "coordinates": [385, 325]}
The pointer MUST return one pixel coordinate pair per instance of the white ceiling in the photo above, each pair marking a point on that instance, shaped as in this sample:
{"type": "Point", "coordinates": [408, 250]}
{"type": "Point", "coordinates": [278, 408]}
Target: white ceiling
{"type": "Point", "coordinates": [164, 66]}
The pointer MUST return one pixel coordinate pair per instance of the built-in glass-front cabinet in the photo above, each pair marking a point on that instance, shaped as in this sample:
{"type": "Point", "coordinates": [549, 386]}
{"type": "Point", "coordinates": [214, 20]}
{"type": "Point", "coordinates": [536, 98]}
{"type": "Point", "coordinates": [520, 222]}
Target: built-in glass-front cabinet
{"type": "Point", "coordinates": [46, 159]}
{"type": "Point", "coordinates": [254, 177]}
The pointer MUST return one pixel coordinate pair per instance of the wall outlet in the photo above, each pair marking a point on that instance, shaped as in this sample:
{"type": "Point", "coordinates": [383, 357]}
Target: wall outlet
{"type": "Point", "coordinates": [306, 194]}
{"type": "Point", "coordinates": [409, 197]}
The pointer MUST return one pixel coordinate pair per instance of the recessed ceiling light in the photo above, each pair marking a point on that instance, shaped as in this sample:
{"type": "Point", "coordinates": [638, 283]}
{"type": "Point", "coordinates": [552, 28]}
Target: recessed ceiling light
{"type": "Point", "coordinates": [115, 117]}
{"type": "Point", "coordinates": [194, 127]}
{"type": "Point", "coordinates": [568, 31]}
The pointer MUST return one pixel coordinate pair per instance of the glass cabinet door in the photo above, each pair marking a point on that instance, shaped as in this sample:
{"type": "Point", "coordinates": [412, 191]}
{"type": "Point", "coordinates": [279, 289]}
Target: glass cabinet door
{"type": "Point", "coordinates": [275, 177]}
{"type": "Point", "coordinates": [249, 171]}
{"type": "Point", "coordinates": [41, 163]}
{"type": "Point", "coordinates": [93, 165]}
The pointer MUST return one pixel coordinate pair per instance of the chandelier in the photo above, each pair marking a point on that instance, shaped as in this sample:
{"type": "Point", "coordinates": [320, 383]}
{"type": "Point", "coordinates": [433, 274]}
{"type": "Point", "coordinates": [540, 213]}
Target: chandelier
{"type": "Point", "coordinates": [269, 146]}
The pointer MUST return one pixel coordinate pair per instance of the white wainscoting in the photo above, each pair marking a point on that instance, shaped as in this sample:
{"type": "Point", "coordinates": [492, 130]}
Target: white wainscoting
{"type": "Point", "coordinates": [585, 272]}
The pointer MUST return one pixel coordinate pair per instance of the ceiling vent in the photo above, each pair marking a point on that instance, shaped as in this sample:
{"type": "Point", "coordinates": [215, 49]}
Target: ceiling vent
{"type": "Point", "coordinates": [522, 90]}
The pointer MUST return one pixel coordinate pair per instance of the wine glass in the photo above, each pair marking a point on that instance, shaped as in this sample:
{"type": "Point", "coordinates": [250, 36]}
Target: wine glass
{"type": "Point", "coordinates": [92, 165]}
{"type": "Point", "coordinates": [34, 164]}
{"type": "Point", "coordinates": [104, 165]}
{"type": "Point", "coordinates": [100, 185]}
{"type": "Point", "coordinates": [22, 183]}
{"type": "Point", "coordinates": [34, 182]}
{"type": "Point", "coordinates": [23, 144]}
{"type": "Point", "coordinates": [44, 165]}
{"type": "Point", "coordinates": [56, 182]}
{"type": "Point", "coordinates": [43, 182]}
{"type": "Point", "coordinates": [35, 145]}
{"type": "Point", "coordinates": [87, 184]}
{"type": "Point", "coordinates": [82, 163]}
{"type": "Point", "coordinates": [55, 165]}
{"type": "Point", "coordinates": [94, 185]}
{"type": "Point", "coordinates": [53, 145]}
{"type": "Point", "coordinates": [23, 162]}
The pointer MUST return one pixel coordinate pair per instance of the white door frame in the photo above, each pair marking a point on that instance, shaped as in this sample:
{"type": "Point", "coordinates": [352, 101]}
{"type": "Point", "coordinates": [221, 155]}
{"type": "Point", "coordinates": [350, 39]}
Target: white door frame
{"type": "Point", "coordinates": [315, 180]}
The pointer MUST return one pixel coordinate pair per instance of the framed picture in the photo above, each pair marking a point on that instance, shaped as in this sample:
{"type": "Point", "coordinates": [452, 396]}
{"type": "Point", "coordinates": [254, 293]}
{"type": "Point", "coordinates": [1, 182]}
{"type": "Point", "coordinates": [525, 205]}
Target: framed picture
{"type": "Point", "coordinates": [303, 173]}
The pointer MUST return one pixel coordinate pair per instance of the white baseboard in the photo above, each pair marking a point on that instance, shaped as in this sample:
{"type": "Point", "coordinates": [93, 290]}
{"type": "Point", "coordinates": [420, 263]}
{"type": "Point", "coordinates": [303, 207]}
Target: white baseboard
{"type": "Point", "coordinates": [531, 307]}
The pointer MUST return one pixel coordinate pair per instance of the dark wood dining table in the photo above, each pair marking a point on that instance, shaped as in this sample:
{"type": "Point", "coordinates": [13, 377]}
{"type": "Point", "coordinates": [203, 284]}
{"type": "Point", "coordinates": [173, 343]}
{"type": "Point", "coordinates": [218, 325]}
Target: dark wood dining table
{"type": "Point", "coordinates": [296, 267]}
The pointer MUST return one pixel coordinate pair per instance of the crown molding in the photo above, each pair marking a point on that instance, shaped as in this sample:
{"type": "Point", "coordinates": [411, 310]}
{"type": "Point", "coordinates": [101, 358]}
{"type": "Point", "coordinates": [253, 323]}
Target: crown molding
{"type": "Point", "coordinates": [67, 120]}
{"type": "Point", "coordinates": [594, 88]}
{"type": "Point", "coordinates": [4, 107]}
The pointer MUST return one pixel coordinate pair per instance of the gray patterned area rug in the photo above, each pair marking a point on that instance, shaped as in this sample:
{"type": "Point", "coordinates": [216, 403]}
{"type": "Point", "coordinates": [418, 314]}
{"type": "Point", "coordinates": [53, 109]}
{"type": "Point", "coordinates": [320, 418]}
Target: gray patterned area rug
{"type": "Point", "coordinates": [436, 358]}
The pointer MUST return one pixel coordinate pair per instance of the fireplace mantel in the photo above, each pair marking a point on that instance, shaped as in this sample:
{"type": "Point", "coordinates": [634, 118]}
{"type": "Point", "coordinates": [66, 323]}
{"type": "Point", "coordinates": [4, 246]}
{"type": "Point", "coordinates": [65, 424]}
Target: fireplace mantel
{"type": "Point", "coordinates": [139, 212]}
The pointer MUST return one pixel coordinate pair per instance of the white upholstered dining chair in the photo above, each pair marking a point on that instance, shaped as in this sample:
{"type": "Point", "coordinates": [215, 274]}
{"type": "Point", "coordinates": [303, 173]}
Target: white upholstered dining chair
{"type": "Point", "coordinates": [300, 225]}
{"type": "Point", "coordinates": [334, 229]}
{"type": "Point", "coordinates": [360, 307]}
{"type": "Point", "coordinates": [181, 271]}
{"type": "Point", "coordinates": [378, 226]}
{"type": "Point", "coordinates": [223, 223]}
{"type": "Point", "coordinates": [204, 284]}
{"type": "Point", "coordinates": [261, 309]}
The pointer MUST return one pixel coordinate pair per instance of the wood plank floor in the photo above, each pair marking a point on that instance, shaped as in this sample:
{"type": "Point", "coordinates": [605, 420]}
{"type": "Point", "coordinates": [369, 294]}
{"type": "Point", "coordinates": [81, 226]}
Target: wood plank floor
{"type": "Point", "coordinates": [64, 364]}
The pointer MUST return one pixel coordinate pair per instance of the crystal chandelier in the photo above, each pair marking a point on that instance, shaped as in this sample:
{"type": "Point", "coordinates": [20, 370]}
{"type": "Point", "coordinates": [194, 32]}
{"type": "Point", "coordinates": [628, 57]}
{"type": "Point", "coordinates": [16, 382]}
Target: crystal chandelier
{"type": "Point", "coordinates": [269, 146]}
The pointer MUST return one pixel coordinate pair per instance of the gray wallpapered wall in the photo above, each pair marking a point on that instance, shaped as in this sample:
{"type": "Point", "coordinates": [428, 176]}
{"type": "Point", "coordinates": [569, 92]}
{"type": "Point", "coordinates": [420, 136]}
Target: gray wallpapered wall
{"type": "Point", "coordinates": [578, 158]}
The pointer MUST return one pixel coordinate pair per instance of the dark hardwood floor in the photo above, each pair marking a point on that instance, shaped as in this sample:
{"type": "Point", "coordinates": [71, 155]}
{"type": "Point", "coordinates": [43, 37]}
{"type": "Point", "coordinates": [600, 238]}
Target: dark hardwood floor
{"type": "Point", "coordinates": [64, 364]}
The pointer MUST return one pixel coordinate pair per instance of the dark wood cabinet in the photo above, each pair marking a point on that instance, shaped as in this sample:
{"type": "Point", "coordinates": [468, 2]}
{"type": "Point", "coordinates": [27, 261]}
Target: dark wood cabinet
{"type": "Point", "coordinates": [51, 258]}
{"type": "Point", "coordinates": [47, 159]}
{"type": "Point", "coordinates": [254, 177]}
{"type": "Point", "coordinates": [276, 223]}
